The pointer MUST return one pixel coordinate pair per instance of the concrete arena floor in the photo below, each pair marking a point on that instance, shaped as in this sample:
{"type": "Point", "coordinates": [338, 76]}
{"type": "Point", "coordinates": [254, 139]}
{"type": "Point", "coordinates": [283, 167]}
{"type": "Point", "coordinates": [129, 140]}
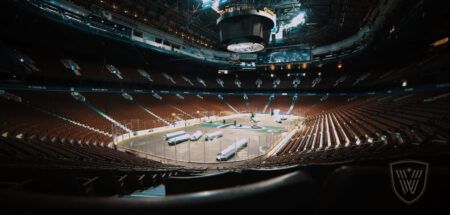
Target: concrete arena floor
{"type": "Point", "coordinates": [202, 151]}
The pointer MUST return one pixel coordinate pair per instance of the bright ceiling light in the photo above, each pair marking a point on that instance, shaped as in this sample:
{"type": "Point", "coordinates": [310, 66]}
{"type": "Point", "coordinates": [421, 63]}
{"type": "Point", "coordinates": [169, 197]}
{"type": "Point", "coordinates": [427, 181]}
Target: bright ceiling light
{"type": "Point", "coordinates": [300, 19]}
{"type": "Point", "coordinates": [440, 42]}
{"type": "Point", "coordinates": [404, 83]}
{"type": "Point", "coordinates": [213, 4]}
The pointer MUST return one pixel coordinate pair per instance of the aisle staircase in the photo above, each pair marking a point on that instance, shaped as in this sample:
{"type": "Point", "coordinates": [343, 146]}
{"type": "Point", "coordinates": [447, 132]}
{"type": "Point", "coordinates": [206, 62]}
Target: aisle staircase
{"type": "Point", "coordinates": [271, 98]}
{"type": "Point", "coordinates": [293, 103]}
{"type": "Point", "coordinates": [82, 99]}
{"type": "Point", "coordinates": [55, 114]}
{"type": "Point", "coordinates": [151, 113]}
{"type": "Point", "coordinates": [231, 107]}
{"type": "Point", "coordinates": [182, 111]}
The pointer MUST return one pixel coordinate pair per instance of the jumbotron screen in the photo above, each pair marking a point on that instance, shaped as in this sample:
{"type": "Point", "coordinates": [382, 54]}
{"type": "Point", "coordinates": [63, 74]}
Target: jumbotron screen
{"type": "Point", "coordinates": [286, 56]}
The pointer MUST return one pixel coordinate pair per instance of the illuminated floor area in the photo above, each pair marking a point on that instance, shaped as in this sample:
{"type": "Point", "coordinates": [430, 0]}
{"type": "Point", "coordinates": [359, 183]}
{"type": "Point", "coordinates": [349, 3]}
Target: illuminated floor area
{"type": "Point", "coordinates": [201, 151]}
{"type": "Point", "coordinates": [154, 192]}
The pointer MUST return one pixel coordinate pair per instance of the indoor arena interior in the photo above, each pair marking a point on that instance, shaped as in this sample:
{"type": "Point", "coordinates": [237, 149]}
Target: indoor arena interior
{"type": "Point", "coordinates": [224, 106]}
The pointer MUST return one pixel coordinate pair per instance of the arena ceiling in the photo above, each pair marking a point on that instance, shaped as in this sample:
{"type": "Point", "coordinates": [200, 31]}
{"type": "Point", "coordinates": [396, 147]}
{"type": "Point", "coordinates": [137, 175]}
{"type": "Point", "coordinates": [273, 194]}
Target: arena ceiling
{"type": "Point", "coordinates": [325, 21]}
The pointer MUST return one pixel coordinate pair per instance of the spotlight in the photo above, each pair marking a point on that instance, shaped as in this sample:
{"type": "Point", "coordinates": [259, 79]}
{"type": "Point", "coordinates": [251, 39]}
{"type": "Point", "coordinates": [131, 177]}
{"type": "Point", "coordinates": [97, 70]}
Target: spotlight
{"type": "Point", "coordinates": [440, 42]}
{"type": "Point", "coordinates": [340, 65]}
{"type": "Point", "coordinates": [392, 29]}
{"type": "Point", "coordinates": [304, 66]}
{"type": "Point", "coordinates": [404, 83]}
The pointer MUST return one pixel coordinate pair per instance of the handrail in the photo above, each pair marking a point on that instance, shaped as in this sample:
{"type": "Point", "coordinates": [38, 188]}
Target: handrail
{"type": "Point", "coordinates": [166, 160]}
{"type": "Point", "coordinates": [226, 92]}
{"type": "Point", "coordinates": [223, 199]}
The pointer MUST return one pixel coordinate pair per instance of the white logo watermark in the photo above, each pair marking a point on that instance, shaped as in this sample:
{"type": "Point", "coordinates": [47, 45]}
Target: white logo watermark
{"type": "Point", "coordinates": [409, 179]}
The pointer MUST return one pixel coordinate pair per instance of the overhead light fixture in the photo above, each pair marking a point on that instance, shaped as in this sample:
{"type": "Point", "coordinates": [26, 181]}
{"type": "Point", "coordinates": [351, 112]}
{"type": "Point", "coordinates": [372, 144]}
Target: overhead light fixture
{"type": "Point", "coordinates": [213, 4]}
{"type": "Point", "coordinates": [392, 29]}
{"type": "Point", "coordinates": [304, 66]}
{"type": "Point", "coordinates": [244, 30]}
{"type": "Point", "coordinates": [440, 42]}
{"type": "Point", "coordinates": [222, 71]}
{"type": "Point", "coordinates": [299, 19]}
{"type": "Point", "coordinates": [404, 83]}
